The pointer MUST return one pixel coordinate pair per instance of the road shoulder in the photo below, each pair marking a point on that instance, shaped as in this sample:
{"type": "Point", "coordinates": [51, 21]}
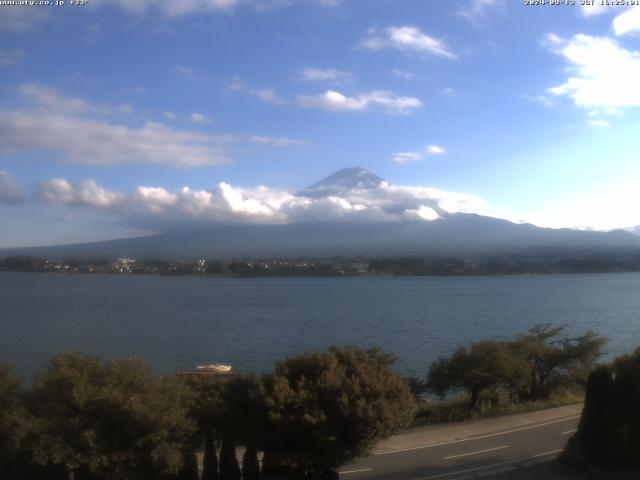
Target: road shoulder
{"type": "Point", "coordinates": [440, 434]}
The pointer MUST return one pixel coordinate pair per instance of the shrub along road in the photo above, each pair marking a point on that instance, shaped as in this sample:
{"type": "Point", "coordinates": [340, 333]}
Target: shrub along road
{"type": "Point", "coordinates": [470, 449]}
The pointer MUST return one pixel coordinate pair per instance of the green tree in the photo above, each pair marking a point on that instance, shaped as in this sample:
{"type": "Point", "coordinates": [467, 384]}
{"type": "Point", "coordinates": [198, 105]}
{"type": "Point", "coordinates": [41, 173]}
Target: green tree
{"type": "Point", "coordinates": [325, 409]}
{"type": "Point", "coordinates": [417, 386]}
{"type": "Point", "coordinates": [114, 420]}
{"type": "Point", "coordinates": [15, 428]}
{"type": "Point", "coordinates": [489, 364]}
{"type": "Point", "coordinates": [229, 468]}
{"type": "Point", "coordinates": [189, 470]}
{"type": "Point", "coordinates": [609, 430]}
{"type": "Point", "coordinates": [556, 361]}
{"type": "Point", "coordinates": [9, 401]}
{"type": "Point", "coordinates": [210, 460]}
{"type": "Point", "coordinates": [246, 416]}
{"type": "Point", "coordinates": [250, 464]}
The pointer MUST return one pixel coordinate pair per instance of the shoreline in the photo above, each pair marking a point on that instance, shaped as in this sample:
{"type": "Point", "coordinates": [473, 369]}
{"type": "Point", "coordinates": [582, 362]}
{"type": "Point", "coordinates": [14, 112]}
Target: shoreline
{"type": "Point", "coordinates": [370, 275]}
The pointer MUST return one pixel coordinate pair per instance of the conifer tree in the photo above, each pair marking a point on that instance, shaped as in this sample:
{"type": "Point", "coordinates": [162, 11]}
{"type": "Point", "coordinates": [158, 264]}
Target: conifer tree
{"type": "Point", "coordinates": [210, 461]}
{"type": "Point", "coordinates": [250, 465]}
{"type": "Point", "coordinates": [229, 468]}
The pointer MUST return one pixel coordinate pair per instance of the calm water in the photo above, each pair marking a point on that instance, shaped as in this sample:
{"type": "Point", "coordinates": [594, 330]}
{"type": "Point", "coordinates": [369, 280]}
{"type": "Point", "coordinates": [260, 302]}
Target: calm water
{"type": "Point", "coordinates": [176, 322]}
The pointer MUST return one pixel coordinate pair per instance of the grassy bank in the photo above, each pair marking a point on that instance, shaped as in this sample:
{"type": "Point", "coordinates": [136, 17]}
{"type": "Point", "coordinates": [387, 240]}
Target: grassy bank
{"type": "Point", "coordinates": [433, 412]}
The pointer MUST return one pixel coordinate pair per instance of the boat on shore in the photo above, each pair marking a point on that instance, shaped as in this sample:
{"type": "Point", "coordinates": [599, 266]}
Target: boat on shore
{"type": "Point", "coordinates": [214, 368]}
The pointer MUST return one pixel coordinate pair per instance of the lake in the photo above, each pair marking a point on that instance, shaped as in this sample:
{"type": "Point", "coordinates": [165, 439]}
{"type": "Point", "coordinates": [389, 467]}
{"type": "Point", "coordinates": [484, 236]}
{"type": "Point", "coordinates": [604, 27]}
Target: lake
{"type": "Point", "coordinates": [177, 322]}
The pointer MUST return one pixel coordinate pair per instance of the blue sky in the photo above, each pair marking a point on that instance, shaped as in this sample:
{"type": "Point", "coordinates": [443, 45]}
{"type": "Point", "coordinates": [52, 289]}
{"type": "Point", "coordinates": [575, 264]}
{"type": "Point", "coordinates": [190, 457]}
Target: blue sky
{"type": "Point", "coordinates": [122, 117]}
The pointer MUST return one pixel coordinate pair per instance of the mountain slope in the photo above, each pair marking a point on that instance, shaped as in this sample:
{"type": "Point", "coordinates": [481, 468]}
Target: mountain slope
{"type": "Point", "coordinates": [344, 180]}
{"type": "Point", "coordinates": [456, 235]}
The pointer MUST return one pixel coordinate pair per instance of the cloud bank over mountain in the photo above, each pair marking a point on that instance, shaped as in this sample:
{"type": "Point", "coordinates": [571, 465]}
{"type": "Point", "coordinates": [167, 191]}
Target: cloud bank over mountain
{"type": "Point", "coordinates": [350, 195]}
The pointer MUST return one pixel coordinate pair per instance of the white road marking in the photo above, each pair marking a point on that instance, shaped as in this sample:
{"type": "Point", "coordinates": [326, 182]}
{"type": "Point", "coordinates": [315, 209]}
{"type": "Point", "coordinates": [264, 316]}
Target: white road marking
{"type": "Point", "coordinates": [485, 467]}
{"type": "Point", "coordinates": [570, 431]}
{"type": "Point", "coordinates": [355, 471]}
{"type": "Point", "coordinates": [507, 468]}
{"type": "Point", "coordinates": [477, 438]}
{"type": "Point", "coordinates": [545, 454]}
{"type": "Point", "coordinates": [476, 452]}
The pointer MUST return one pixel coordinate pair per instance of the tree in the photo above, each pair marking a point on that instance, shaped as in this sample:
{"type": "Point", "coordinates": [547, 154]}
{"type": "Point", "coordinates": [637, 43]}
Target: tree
{"type": "Point", "coordinates": [250, 465]}
{"type": "Point", "coordinates": [15, 427]}
{"type": "Point", "coordinates": [532, 366]}
{"type": "Point", "coordinates": [9, 392]}
{"type": "Point", "coordinates": [229, 468]}
{"type": "Point", "coordinates": [189, 470]}
{"type": "Point", "coordinates": [417, 386]}
{"type": "Point", "coordinates": [325, 409]}
{"type": "Point", "coordinates": [210, 460]}
{"type": "Point", "coordinates": [246, 416]}
{"type": "Point", "coordinates": [230, 408]}
{"type": "Point", "coordinates": [609, 430]}
{"type": "Point", "coordinates": [489, 364]}
{"type": "Point", "coordinates": [557, 361]}
{"type": "Point", "coordinates": [114, 420]}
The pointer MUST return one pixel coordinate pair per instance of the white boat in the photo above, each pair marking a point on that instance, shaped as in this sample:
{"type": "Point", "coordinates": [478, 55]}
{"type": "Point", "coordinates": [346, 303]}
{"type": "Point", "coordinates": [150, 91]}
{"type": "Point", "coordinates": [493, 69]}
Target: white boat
{"type": "Point", "coordinates": [216, 367]}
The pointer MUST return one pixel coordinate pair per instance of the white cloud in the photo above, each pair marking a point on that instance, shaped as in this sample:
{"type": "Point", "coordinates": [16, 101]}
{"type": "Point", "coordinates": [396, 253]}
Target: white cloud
{"type": "Point", "coordinates": [51, 99]}
{"type": "Point", "coordinates": [8, 58]}
{"type": "Point", "coordinates": [325, 74]}
{"type": "Point", "coordinates": [552, 41]}
{"type": "Point", "coordinates": [405, 75]}
{"type": "Point", "coordinates": [155, 199]}
{"type": "Point", "coordinates": [170, 8]}
{"type": "Point", "coordinates": [197, 117]}
{"type": "Point", "coordinates": [268, 94]}
{"type": "Point", "coordinates": [449, 92]}
{"type": "Point", "coordinates": [627, 22]}
{"type": "Point", "coordinates": [597, 9]}
{"type": "Point", "coordinates": [376, 99]}
{"type": "Point", "coordinates": [169, 115]}
{"type": "Point", "coordinates": [407, 38]}
{"type": "Point", "coordinates": [602, 73]}
{"type": "Point", "coordinates": [21, 18]}
{"type": "Point", "coordinates": [24, 18]}
{"type": "Point", "coordinates": [157, 207]}
{"type": "Point", "coordinates": [276, 141]}
{"type": "Point", "coordinates": [478, 10]}
{"type": "Point", "coordinates": [330, 3]}
{"type": "Point", "coordinates": [222, 203]}
{"type": "Point", "coordinates": [599, 123]}
{"type": "Point", "coordinates": [10, 189]}
{"type": "Point", "coordinates": [424, 213]}
{"type": "Point", "coordinates": [124, 108]}
{"type": "Point", "coordinates": [186, 72]}
{"type": "Point", "coordinates": [611, 112]}
{"type": "Point", "coordinates": [606, 208]}
{"type": "Point", "coordinates": [435, 150]}
{"type": "Point", "coordinates": [402, 158]}
{"type": "Point", "coordinates": [540, 99]}
{"type": "Point", "coordinates": [335, 101]}
{"type": "Point", "coordinates": [99, 143]}
{"type": "Point", "coordinates": [87, 193]}
{"type": "Point", "coordinates": [80, 133]}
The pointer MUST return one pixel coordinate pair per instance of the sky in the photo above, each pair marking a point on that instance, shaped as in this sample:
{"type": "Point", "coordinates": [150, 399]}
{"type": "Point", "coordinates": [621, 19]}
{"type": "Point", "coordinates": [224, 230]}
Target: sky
{"type": "Point", "coordinates": [124, 117]}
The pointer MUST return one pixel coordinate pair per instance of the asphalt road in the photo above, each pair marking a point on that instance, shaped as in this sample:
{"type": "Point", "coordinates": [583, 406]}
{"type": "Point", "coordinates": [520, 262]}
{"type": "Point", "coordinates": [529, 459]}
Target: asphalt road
{"type": "Point", "coordinates": [471, 457]}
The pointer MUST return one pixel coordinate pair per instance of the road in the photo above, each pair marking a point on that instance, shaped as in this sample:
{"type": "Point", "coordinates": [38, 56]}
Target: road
{"type": "Point", "coordinates": [481, 455]}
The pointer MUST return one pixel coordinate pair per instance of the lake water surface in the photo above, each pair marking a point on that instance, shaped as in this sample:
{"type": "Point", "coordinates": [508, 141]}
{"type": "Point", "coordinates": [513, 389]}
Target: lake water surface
{"type": "Point", "coordinates": [177, 322]}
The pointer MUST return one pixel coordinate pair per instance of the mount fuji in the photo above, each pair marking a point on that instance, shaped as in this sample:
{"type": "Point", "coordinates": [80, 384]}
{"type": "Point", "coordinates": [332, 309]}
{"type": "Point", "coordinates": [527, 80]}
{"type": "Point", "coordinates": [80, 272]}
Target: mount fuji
{"type": "Point", "coordinates": [445, 234]}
